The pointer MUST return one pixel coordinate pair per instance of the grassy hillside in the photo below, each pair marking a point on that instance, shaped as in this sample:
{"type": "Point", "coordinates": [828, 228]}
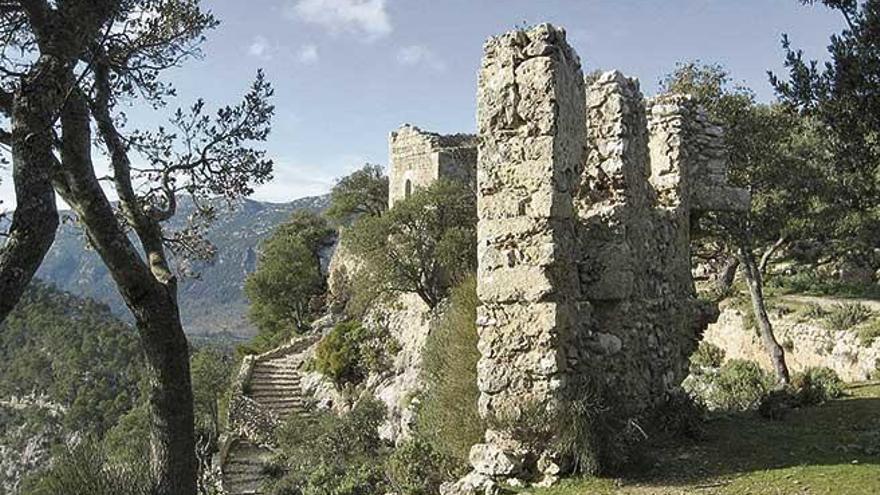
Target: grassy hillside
{"type": "Point", "coordinates": [828, 449]}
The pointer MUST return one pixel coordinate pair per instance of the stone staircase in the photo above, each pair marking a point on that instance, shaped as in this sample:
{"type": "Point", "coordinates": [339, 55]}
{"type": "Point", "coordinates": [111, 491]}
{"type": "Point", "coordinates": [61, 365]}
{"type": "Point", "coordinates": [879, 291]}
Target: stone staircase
{"type": "Point", "coordinates": [267, 391]}
{"type": "Point", "coordinates": [275, 385]}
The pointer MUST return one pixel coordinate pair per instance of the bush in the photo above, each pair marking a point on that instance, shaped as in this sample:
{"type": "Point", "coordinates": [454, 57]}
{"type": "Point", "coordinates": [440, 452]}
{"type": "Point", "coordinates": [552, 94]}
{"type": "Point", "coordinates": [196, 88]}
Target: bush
{"type": "Point", "coordinates": [845, 316]}
{"type": "Point", "coordinates": [416, 468]}
{"type": "Point", "coordinates": [448, 416]}
{"type": "Point", "coordinates": [87, 470]}
{"type": "Point", "coordinates": [707, 355]}
{"type": "Point", "coordinates": [680, 415]}
{"type": "Point", "coordinates": [738, 385]}
{"type": "Point", "coordinates": [868, 334]}
{"type": "Point", "coordinates": [332, 455]}
{"type": "Point", "coordinates": [817, 385]}
{"type": "Point", "coordinates": [351, 351]}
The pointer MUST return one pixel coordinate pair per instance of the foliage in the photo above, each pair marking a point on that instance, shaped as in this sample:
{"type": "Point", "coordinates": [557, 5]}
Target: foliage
{"type": "Point", "coordinates": [828, 449]}
{"type": "Point", "coordinates": [707, 355]}
{"type": "Point", "coordinates": [844, 97]}
{"type": "Point", "coordinates": [845, 316]}
{"type": "Point", "coordinates": [812, 282]}
{"type": "Point", "coordinates": [364, 192]}
{"type": "Point", "coordinates": [869, 333]}
{"type": "Point", "coordinates": [680, 416]}
{"type": "Point", "coordinates": [352, 350]}
{"type": "Point", "coordinates": [737, 386]}
{"type": "Point", "coordinates": [211, 371]}
{"type": "Point", "coordinates": [87, 470]}
{"type": "Point", "coordinates": [287, 279]}
{"type": "Point", "coordinates": [417, 468]}
{"type": "Point", "coordinates": [425, 244]}
{"type": "Point", "coordinates": [447, 417]}
{"type": "Point", "coordinates": [817, 385]}
{"type": "Point", "coordinates": [73, 352]}
{"type": "Point", "coordinates": [332, 455]}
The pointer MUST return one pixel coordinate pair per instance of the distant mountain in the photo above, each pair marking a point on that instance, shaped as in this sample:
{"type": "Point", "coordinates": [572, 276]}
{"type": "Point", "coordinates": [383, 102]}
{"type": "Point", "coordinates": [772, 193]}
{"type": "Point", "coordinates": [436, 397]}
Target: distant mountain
{"type": "Point", "coordinates": [212, 304]}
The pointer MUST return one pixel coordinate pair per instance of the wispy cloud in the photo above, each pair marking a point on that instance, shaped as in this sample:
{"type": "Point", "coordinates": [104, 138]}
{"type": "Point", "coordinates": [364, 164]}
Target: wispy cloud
{"type": "Point", "coordinates": [308, 54]}
{"type": "Point", "coordinates": [261, 48]}
{"type": "Point", "coordinates": [420, 55]}
{"type": "Point", "coordinates": [362, 17]}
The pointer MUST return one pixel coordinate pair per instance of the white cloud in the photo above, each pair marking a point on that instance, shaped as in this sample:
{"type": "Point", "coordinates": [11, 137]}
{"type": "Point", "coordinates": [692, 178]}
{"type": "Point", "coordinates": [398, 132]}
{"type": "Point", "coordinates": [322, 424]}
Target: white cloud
{"type": "Point", "coordinates": [366, 17]}
{"type": "Point", "coordinates": [420, 55]}
{"type": "Point", "coordinates": [308, 54]}
{"type": "Point", "coordinates": [261, 48]}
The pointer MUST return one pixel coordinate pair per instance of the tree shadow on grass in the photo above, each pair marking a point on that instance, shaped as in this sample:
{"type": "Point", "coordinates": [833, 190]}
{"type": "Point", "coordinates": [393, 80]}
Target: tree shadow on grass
{"type": "Point", "coordinates": [841, 432]}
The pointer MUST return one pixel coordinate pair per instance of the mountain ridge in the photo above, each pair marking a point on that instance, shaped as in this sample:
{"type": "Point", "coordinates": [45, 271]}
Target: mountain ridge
{"type": "Point", "coordinates": [212, 303]}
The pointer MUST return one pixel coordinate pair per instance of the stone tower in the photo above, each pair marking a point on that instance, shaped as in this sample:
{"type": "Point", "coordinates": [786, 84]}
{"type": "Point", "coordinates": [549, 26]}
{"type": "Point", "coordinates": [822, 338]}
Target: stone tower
{"type": "Point", "coordinates": [418, 158]}
{"type": "Point", "coordinates": [585, 196]}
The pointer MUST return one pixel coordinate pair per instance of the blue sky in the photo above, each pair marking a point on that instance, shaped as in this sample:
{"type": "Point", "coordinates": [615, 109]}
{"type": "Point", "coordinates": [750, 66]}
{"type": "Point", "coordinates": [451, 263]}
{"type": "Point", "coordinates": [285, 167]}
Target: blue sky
{"type": "Point", "coordinates": [347, 72]}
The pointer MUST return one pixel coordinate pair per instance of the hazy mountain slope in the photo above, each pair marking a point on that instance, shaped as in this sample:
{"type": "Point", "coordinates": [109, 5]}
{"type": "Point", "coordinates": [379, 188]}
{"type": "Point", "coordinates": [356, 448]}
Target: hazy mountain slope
{"type": "Point", "coordinates": [213, 303]}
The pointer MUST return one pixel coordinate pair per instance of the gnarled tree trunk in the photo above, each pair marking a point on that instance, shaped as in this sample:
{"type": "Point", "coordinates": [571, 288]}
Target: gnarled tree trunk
{"type": "Point", "coordinates": [756, 291]}
{"type": "Point", "coordinates": [32, 110]}
{"type": "Point", "coordinates": [152, 301]}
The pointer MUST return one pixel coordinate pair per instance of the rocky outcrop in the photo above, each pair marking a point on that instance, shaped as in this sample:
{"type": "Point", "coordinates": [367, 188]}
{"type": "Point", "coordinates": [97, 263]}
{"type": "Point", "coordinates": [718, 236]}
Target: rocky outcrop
{"type": "Point", "coordinates": [810, 342]}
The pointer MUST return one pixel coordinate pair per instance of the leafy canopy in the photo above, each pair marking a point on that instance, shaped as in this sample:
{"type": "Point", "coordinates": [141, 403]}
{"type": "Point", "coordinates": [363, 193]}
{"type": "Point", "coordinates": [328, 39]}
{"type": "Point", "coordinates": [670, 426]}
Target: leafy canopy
{"type": "Point", "coordinates": [288, 278]}
{"type": "Point", "coordinates": [843, 96]}
{"type": "Point", "coordinates": [425, 244]}
{"type": "Point", "coordinates": [364, 192]}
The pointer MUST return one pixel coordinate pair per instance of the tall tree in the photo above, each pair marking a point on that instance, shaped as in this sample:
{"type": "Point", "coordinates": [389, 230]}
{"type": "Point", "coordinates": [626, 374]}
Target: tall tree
{"type": "Point", "coordinates": [425, 244]}
{"type": "Point", "coordinates": [770, 153]}
{"type": "Point", "coordinates": [843, 95]}
{"type": "Point", "coordinates": [364, 192]}
{"type": "Point", "coordinates": [288, 278]}
{"type": "Point", "coordinates": [70, 64]}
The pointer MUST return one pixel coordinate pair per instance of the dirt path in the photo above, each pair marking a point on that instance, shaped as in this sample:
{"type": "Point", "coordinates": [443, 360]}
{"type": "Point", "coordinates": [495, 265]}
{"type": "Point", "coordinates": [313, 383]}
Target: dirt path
{"type": "Point", "coordinates": [826, 301]}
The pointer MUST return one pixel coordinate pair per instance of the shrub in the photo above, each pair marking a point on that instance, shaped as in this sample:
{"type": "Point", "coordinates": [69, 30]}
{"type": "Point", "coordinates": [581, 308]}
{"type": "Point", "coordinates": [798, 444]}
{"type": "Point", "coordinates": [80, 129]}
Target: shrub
{"type": "Point", "coordinates": [332, 455]}
{"type": "Point", "coordinates": [350, 351]}
{"type": "Point", "coordinates": [448, 416]}
{"type": "Point", "coordinates": [738, 385]}
{"type": "Point", "coordinates": [86, 469]}
{"type": "Point", "coordinates": [817, 385]}
{"type": "Point", "coordinates": [815, 311]}
{"type": "Point", "coordinates": [707, 355]}
{"type": "Point", "coordinates": [416, 468]}
{"type": "Point", "coordinates": [869, 333]}
{"type": "Point", "coordinates": [845, 316]}
{"type": "Point", "coordinates": [680, 415]}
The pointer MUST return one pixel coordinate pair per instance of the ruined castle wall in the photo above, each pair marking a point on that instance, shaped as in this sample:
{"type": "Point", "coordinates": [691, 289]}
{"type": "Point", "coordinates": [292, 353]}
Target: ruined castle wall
{"type": "Point", "coordinates": [584, 200]}
{"type": "Point", "coordinates": [531, 120]}
{"type": "Point", "coordinates": [418, 158]}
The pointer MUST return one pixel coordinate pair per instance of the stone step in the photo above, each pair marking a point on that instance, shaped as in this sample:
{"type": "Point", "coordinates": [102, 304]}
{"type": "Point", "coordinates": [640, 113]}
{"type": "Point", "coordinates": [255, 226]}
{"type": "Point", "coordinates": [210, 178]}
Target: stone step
{"type": "Point", "coordinates": [291, 388]}
{"type": "Point", "coordinates": [276, 392]}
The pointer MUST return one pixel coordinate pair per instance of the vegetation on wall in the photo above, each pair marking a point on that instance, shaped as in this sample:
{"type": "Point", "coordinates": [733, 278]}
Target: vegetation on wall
{"type": "Point", "coordinates": [424, 245]}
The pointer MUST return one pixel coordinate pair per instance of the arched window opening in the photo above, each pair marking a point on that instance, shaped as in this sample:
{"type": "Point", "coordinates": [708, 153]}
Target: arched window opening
{"type": "Point", "coordinates": [407, 189]}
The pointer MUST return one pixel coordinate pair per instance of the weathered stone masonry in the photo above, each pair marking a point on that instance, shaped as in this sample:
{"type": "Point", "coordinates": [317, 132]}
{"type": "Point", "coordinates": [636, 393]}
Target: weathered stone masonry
{"type": "Point", "coordinates": [418, 158]}
{"type": "Point", "coordinates": [584, 201]}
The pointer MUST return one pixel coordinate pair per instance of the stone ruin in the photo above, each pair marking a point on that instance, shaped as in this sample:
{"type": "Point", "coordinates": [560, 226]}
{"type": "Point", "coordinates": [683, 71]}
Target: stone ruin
{"type": "Point", "coordinates": [585, 194]}
{"type": "Point", "coordinates": [418, 158]}
{"type": "Point", "coordinates": [585, 197]}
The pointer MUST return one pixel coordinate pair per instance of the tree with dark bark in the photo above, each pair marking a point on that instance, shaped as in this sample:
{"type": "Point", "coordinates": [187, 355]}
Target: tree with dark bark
{"type": "Point", "coordinates": [843, 96]}
{"type": "Point", "coordinates": [69, 64]}
{"type": "Point", "coordinates": [772, 154]}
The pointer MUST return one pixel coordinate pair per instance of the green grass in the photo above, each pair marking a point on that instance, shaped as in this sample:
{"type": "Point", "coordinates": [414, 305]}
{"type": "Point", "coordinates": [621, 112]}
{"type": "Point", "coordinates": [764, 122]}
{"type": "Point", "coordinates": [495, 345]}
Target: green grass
{"type": "Point", "coordinates": [828, 449]}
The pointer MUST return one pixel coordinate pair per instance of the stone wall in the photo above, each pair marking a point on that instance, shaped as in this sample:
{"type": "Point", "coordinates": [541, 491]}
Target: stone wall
{"type": "Point", "coordinates": [584, 202]}
{"type": "Point", "coordinates": [418, 158]}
